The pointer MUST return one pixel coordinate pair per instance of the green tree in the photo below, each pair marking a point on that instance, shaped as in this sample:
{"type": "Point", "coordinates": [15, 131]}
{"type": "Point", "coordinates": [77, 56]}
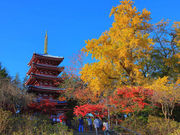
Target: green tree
{"type": "Point", "coordinates": [3, 72]}
{"type": "Point", "coordinates": [165, 55]}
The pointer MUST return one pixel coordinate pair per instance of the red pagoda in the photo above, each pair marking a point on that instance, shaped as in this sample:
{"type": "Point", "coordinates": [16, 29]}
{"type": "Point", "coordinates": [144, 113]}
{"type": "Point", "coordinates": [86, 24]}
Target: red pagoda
{"type": "Point", "coordinates": [44, 81]}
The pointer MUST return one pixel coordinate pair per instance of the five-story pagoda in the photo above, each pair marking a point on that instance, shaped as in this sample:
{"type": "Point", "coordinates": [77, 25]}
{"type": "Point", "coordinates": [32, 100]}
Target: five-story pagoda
{"type": "Point", "coordinates": [44, 81]}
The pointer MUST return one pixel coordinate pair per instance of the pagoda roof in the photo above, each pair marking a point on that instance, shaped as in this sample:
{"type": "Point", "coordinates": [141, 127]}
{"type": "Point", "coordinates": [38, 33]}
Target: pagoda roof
{"type": "Point", "coordinates": [35, 66]}
{"type": "Point", "coordinates": [36, 56]}
{"type": "Point", "coordinates": [34, 77]}
{"type": "Point", "coordinates": [44, 89]}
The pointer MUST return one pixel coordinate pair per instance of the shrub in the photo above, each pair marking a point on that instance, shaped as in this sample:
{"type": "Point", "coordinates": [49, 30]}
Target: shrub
{"type": "Point", "coordinates": [136, 124]}
{"type": "Point", "coordinates": [157, 125]}
{"type": "Point", "coordinates": [176, 132]}
{"type": "Point", "coordinates": [4, 115]}
{"type": "Point", "coordinates": [33, 125]}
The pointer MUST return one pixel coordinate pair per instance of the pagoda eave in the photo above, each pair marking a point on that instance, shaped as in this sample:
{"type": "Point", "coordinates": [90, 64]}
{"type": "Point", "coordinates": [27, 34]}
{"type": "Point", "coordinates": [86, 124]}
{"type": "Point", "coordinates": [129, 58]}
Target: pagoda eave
{"type": "Point", "coordinates": [35, 67]}
{"type": "Point", "coordinates": [36, 56]}
{"type": "Point", "coordinates": [44, 89]}
{"type": "Point", "coordinates": [49, 77]}
{"type": "Point", "coordinates": [36, 77]}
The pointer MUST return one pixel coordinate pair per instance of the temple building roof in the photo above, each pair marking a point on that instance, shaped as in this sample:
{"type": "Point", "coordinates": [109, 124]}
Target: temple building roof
{"type": "Point", "coordinates": [47, 55]}
{"type": "Point", "coordinates": [36, 57]}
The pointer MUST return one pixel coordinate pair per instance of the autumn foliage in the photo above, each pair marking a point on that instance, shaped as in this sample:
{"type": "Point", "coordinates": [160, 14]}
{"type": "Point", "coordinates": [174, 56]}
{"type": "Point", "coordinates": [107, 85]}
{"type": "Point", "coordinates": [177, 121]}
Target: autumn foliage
{"type": "Point", "coordinates": [96, 109]}
{"type": "Point", "coordinates": [130, 99]}
{"type": "Point", "coordinates": [85, 95]}
{"type": "Point", "coordinates": [44, 106]}
{"type": "Point", "coordinates": [124, 100]}
{"type": "Point", "coordinates": [119, 51]}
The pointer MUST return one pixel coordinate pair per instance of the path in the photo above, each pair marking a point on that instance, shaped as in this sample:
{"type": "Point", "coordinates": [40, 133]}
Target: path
{"type": "Point", "coordinates": [99, 133]}
{"type": "Point", "coordinates": [87, 133]}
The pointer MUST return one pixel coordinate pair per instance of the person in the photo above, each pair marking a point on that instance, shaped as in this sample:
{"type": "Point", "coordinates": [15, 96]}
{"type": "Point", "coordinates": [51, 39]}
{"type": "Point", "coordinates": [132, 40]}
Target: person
{"type": "Point", "coordinates": [89, 123]}
{"type": "Point", "coordinates": [106, 126]}
{"type": "Point", "coordinates": [68, 123]}
{"type": "Point", "coordinates": [81, 122]}
{"type": "Point", "coordinates": [96, 124]}
{"type": "Point", "coordinates": [100, 123]}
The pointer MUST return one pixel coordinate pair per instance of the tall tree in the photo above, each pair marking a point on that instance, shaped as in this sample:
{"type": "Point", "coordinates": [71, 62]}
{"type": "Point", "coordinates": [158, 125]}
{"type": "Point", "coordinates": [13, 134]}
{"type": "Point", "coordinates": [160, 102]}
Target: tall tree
{"type": "Point", "coordinates": [165, 55]}
{"type": "Point", "coordinates": [3, 72]}
{"type": "Point", "coordinates": [120, 51]}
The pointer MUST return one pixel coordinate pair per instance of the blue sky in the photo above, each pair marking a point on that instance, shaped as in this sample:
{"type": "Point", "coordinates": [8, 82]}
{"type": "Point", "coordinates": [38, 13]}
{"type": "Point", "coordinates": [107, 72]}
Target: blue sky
{"type": "Point", "coordinates": [69, 23]}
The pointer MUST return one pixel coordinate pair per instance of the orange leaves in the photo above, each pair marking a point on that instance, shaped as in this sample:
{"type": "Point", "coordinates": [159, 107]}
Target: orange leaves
{"type": "Point", "coordinates": [62, 98]}
{"type": "Point", "coordinates": [85, 95]}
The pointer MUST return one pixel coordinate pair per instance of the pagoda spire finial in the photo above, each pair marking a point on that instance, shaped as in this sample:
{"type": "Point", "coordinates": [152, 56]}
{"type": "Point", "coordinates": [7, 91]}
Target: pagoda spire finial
{"type": "Point", "coordinates": [45, 43]}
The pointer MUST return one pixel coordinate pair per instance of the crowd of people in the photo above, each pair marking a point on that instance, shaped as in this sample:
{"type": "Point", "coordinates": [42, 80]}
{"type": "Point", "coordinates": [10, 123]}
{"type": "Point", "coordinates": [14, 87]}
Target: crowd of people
{"type": "Point", "coordinates": [98, 123]}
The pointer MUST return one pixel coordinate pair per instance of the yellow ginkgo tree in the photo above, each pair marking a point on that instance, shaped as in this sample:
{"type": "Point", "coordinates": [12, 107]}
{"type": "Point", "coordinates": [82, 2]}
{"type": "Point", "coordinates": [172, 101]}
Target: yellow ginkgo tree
{"type": "Point", "coordinates": [120, 51]}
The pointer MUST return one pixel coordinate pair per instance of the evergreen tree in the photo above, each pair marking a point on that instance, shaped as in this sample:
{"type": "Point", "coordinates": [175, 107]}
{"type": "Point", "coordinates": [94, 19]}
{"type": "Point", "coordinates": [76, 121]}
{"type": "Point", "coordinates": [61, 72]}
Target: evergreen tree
{"type": "Point", "coordinates": [3, 72]}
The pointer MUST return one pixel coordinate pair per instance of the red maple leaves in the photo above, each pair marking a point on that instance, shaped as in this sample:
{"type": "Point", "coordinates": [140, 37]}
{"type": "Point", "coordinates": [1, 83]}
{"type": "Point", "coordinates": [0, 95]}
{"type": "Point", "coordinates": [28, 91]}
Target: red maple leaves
{"type": "Point", "coordinates": [130, 99]}
{"type": "Point", "coordinates": [124, 100]}
{"type": "Point", "coordinates": [44, 106]}
{"type": "Point", "coordinates": [97, 110]}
